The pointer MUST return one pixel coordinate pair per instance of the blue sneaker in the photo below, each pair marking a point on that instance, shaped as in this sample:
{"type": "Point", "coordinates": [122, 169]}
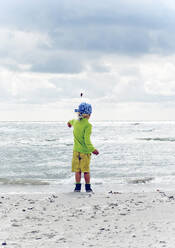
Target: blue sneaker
{"type": "Point", "coordinates": [77, 187]}
{"type": "Point", "coordinates": [88, 188]}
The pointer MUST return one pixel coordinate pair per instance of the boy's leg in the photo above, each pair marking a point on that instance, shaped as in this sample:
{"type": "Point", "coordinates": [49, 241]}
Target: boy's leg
{"type": "Point", "coordinates": [87, 181]}
{"type": "Point", "coordinates": [77, 177]}
{"type": "Point", "coordinates": [77, 170]}
{"type": "Point", "coordinates": [85, 168]}
{"type": "Point", "coordinates": [78, 182]}
{"type": "Point", "coordinates": [87, 177]}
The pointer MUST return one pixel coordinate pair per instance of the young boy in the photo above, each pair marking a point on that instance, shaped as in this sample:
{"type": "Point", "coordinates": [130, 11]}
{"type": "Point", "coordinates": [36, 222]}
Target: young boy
{"type": "Point", "coordinates": [82, 146]}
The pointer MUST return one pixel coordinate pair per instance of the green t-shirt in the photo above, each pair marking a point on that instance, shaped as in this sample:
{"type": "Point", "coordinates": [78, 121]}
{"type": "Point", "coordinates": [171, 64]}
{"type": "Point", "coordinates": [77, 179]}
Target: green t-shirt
{"type": "Point", "coordinates": [82, 132]}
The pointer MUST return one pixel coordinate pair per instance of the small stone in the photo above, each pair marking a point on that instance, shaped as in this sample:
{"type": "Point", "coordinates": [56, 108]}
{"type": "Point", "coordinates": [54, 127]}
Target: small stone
{"type": "Point", "coordinates": [102, 229]}
{"type": "Point", "coordinates": [15, 225]}
{"type": "Point", "coordinates": [30, 208]}
{"type": "Point", "coordinates": [171, 197]}
{"type": "Point", "coordinates": [54, 196]}
{"type": "Point", "coordinates": [33, 232]}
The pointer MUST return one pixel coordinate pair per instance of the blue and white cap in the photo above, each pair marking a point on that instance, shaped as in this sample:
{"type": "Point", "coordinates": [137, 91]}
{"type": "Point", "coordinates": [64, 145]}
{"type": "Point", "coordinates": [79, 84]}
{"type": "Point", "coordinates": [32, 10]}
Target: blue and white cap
{"type": "Point", "coordinates": [84, 108]}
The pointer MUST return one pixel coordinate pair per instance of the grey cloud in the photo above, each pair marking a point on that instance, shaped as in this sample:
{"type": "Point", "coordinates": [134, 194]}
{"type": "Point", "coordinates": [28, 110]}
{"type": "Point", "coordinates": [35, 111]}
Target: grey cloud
{"type": "Point", "coordinates": [79, 16]}
{"type": "Point", "coordinates": [135, 92]}
{"type": "Point", "coordinates": [88, 28]}
{"type": "Point", "coordinates": [51, 13]}
{"type": "Point", "coordinates": [99, 67]}
{"type": "Point", "coordinates": [106, 40]}
{"type": "Point", "coordinates": [43, 96]}
{"type": "Point", "coordinates": [92, 88]}
{"type": "Point", "coordinates": [58, 65]}
{"type": "Point", "coordinates": [64, 89]}
{"type": "Point", "coordinates": [37, 96]}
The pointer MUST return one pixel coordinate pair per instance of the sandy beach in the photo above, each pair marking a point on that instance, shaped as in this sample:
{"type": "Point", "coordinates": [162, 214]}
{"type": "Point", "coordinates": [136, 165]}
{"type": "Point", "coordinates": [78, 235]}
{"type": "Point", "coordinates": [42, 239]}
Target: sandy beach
{"type": "Point", "coordinates": [109, 219]}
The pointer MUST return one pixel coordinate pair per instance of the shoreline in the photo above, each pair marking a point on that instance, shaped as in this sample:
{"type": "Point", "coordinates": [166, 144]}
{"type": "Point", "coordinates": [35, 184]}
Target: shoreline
{"type": "Point", "coordinates": [97, 188]}
{"type": "Point", "coordinates": [110, 219]}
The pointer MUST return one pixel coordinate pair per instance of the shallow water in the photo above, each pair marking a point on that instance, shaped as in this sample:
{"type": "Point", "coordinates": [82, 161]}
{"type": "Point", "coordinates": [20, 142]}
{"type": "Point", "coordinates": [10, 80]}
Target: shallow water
{"type": "Point", "coordinates": [131, 153]}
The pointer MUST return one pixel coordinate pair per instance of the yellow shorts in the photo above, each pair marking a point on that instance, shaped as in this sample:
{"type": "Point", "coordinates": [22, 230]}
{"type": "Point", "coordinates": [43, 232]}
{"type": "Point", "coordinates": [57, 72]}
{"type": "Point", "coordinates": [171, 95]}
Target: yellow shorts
{"type": "Point", "coordinates": [81, 162]}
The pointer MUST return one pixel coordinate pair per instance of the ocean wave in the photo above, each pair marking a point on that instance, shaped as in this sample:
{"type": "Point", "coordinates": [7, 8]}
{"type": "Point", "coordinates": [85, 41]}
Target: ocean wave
{"type": "Point", "coordinates": [147, 130]}
{"type": "Point", "coordinates": [158, 139]}
{"type": "Point", "coordinates": [22, 181]}
{"type": "Point", "coordinates": [51, 140]}
{"type": "Point", "coordinates": [141, 180]}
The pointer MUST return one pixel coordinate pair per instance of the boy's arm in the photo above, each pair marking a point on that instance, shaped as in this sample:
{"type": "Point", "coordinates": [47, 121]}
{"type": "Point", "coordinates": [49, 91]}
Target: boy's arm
{"type": "Point", "coordinates": [70, 123]}
{"type": "Point", "coordinates": [96, 152]}
{"type": "Point", "coordinates": [88, 141]}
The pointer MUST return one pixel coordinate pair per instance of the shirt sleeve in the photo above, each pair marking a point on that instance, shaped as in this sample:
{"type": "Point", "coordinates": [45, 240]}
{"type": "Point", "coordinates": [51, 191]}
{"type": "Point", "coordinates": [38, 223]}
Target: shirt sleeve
{"type": "Point", "coordinates": [88, 143]}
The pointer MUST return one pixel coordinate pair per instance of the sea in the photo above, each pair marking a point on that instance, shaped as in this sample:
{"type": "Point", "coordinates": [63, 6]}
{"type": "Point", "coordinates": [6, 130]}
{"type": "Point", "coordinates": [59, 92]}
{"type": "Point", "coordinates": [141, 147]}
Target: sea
{"type": "Point", "coordinates": [134, 156]}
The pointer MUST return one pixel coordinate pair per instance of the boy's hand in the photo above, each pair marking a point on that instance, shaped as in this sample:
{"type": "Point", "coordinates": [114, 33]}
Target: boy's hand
{"type": "Point", "coordinates": [96, 152]}
{"type": "Point", "coordinates": [69, 125]}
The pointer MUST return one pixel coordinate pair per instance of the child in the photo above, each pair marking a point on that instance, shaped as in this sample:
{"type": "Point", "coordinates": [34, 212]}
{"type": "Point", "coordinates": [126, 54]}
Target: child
{"type": "Point", "coordinates": [82, 146]}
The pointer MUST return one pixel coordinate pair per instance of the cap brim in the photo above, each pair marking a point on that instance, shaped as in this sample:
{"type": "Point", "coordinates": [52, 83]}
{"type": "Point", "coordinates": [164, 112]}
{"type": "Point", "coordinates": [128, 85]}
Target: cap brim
{"type": "Point", "coordinates": [76, 110]}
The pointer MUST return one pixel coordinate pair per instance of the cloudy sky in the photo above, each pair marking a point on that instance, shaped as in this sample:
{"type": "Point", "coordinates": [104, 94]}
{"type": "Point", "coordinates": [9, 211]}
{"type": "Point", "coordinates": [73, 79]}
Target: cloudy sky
{"type": "Point", "coordinates": [119, 53]}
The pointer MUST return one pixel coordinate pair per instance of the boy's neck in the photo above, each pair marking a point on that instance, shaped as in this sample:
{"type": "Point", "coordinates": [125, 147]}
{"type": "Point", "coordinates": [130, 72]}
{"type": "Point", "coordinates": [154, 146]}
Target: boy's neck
{"type": "Point", "coordinates": [87, 117]}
